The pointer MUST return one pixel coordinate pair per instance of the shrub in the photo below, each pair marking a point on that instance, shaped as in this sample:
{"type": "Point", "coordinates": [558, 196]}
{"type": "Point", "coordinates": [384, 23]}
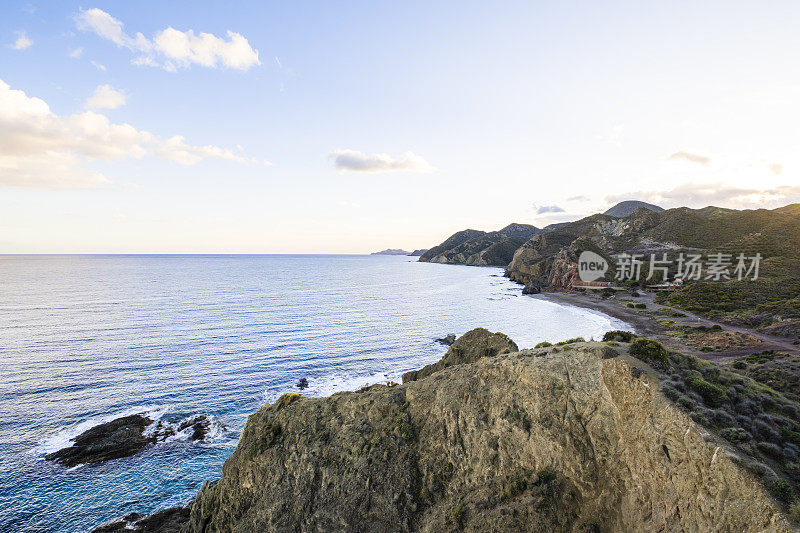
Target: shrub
{"type": "Point", "coordinates": [671, 393]}
{"type": "Point", "coordinates": [711, 393]}
{"type": "Point", "coordinates": [794, 511]}
{"type": "Point", "coordinates": [630, 305]}
{"type": "Point", "coordinates": [782, 490]}
{"type": "Point", "coordinates": [403, 427]}
{"type": "Point", "coordinates": [619, 336]}
{"type": "Point", "coordinates": [457, 513]}
{"type": "Point", "coordinates": [543, 344]}
{"type": "Point", "coordinates": [287, 399]}
{"type": "Point", "coordinates": [640, 306]}
{"type": "Point", "coordinates": [735, 435]}
{"type": "Point", "coordinates": [649, 350]}
{"type": "Point", "coordinates": [571, 341]}
{"type": "Point", "coordinates": [771, 449]}
{"type": "Point", "coordinates": [546, 475]}
{"type": "Point", "coordinates": [686, 403]}
{"type": "Point", "coordinates": [609, 352]}
{"type": "Point", "coordinates": [761, 357]}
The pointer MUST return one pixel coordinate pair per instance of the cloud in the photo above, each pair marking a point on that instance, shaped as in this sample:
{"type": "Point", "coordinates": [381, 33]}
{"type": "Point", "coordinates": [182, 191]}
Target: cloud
{"type": "Point", "coordinates": [718, 194]}
{"type": "Point", "coordinates": [106, 97]}
{"type": "Point", "coordinates": [689, 157]}
{"type": "Point", "coordinates": [22, 42]}
{"type": "Point", "coordinates": [579, 198]}
{"type": "Point", "coordinates": [76, 53]}
{"type": "Point", "coordinates": [171, 49]}
{"type": "Point", "coordinates": [39, 149]}
{"type": "Point", "coordinates": [548, 209]}
{"type": "Point", "coordinates": [98, 66]}
{"type": "Point", "coordinates": [354, 161]}
{"type": "Point", "coordinates": [776, 168]}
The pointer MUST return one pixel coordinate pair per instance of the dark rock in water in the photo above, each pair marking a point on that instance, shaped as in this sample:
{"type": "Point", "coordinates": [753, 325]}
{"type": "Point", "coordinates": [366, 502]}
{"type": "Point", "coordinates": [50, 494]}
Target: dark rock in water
{"type": "Point", "coordinates": [124, 437]}
{"type": "Point", "coordinates": [119, 438]}
{"type": "Point", "coordinates": [302, 384]}
{"type": "Point", "coordinates": [531, 288]}
{"type": "Point", "coordinates": [448, 340]}
{"type": "Point", "coordinates": [166, 521]}
{"type": "Point", "coordinates": [200, 426]}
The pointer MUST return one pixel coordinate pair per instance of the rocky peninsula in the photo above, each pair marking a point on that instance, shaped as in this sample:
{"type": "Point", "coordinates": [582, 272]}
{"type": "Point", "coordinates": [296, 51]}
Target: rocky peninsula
{"type": "Point", "coordinates": [577, 436]}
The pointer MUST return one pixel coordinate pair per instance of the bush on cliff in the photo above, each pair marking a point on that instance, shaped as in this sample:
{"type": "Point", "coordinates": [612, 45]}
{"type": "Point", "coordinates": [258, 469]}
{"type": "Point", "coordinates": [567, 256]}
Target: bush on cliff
{"type": "Point", "coordinates": [649, 351]}
{"type": "Point", "coordinates": [619, 336]}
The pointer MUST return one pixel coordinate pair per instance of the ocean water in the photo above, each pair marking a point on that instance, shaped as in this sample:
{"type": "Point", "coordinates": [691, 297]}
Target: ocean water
{"type": "Point", "coordinates": [85, 339]}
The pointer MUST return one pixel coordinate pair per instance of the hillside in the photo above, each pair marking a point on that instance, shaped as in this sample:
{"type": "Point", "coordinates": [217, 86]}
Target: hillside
{"type": "Point", "coordinates": [573, 437]}
{"type": "Point", "coordinates": [478, 248]}
{"type": "Point", "coordinates": [626, 208]}
{"type": "Point", "coordinates": [549, 260]}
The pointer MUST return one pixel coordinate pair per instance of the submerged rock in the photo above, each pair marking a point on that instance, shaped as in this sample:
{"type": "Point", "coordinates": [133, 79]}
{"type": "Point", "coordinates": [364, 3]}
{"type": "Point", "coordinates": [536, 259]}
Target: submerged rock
{"type": "Point", "coordinates": [200, 426]}
{"type": "Point", "coordinates": [302, 384]}
{"type": "Point", "coordinates": [119, 438]}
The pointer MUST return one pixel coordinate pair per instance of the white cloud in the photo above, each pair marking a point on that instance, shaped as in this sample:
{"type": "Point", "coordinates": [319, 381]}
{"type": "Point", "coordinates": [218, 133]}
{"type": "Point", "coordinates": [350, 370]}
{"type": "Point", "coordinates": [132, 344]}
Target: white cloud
{"type": "Point", "coordinates": [40, 149]}
{"type": "Point", "coordinates": [106, 97]}
{"type": "Point", "coordinates": [354, 161]}
{"type": "Point", "coordinates": [718, 194]}
{"type": "Point", "coordinates": [98, 66]}
{"type": "Point", "coordinates": [76, 53]}
{"type": "Point", "coordinates": [170, 48]}
{"type": "Point", "coordinates": [22, 42]}
{"type": "Point", "coordinates": [689, 157]}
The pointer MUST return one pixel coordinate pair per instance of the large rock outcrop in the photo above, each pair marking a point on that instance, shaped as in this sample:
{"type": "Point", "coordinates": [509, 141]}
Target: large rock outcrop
{"type": "Point", "coordinates": [572, 438]}
{"type": "Point", "coordinates": [467, 349]}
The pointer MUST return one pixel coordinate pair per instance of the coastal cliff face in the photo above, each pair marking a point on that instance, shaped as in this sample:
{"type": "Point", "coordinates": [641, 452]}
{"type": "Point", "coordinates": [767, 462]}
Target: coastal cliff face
{"type": "Point", "coordinates": [575, 438]}
{"type": "Point", "coordinates": [477, 248]}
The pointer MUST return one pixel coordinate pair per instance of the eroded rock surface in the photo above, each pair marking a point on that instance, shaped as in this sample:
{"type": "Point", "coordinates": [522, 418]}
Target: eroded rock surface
{"type": "Point", "coordinates": [468, 348]}
{"type": "Point", "coordinates": [560, 439]}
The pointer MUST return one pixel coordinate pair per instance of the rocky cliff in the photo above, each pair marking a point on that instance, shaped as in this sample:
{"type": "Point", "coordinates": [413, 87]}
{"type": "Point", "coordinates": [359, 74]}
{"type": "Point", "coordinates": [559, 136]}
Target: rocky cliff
{"type": "Point", "coordinates": [478, 248]}
{"type": "Point", "coordinates": [569, 438]}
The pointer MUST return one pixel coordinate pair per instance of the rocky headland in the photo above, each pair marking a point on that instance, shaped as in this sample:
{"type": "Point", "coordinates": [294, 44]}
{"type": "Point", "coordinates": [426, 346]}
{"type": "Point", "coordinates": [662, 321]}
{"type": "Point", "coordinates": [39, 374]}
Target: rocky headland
{"type": "Point", "coordinates": [479, 248]}
{"type": "Point", "coordinates": [576, 436]}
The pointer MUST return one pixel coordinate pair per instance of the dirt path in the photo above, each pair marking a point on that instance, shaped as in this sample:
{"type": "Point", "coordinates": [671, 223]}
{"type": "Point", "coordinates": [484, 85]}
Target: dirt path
{"type": "Point", "coordinates": [646, 323]}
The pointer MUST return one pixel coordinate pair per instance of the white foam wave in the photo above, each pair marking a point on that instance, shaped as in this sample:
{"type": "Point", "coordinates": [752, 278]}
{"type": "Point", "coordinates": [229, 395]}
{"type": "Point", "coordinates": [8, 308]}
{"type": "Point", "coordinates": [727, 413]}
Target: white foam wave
{"type": "Point", "coordinates": [337, 382]}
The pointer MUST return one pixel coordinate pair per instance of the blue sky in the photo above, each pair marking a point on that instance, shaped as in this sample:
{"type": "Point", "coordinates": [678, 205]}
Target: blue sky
{"type": "Point", "coordinates": [385, 124]}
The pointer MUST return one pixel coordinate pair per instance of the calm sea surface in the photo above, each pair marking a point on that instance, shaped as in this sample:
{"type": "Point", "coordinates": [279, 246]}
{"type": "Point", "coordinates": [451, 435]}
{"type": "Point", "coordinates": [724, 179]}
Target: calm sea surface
{"type": "Point", "coordinates": [85, 339]}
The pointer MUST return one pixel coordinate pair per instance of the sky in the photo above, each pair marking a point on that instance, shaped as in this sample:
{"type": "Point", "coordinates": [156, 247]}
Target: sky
{"type": "Point", "coordinates": [350, 127]}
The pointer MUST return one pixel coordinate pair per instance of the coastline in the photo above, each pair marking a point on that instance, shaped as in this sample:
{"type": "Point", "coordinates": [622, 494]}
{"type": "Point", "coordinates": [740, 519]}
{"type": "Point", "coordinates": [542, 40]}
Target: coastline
{"type": "Point", "coordinates": [660, 322]}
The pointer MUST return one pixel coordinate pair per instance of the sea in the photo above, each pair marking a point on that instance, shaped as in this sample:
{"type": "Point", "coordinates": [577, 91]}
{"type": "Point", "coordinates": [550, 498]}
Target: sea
{"type": "Point", "coordinates": [85, 339]}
